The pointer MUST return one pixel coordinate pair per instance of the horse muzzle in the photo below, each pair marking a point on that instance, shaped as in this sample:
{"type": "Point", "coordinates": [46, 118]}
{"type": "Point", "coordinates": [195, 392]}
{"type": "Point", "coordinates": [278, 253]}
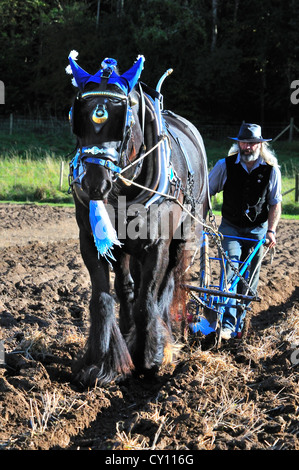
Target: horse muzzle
{"type": "Point", "coordinates": [91, 177]}
{"type": "Point", "coordinates": [97, 183]}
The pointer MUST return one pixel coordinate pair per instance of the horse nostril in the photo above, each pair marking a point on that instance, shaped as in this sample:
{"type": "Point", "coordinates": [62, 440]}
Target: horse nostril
{"type": "Point", "coordinates": [96, 184]}
{"type": "Point", "coordinates": [100, 191]}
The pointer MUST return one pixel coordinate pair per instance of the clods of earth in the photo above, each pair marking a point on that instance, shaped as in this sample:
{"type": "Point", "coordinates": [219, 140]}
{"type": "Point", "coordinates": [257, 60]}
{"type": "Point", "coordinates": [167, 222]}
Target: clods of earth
{"type": "Point", "coordinates": [243, 395]}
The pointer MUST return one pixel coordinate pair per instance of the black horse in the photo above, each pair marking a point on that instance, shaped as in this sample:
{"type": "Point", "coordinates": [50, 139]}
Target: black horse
{"type": "Point", "coordinates": [144, 164]}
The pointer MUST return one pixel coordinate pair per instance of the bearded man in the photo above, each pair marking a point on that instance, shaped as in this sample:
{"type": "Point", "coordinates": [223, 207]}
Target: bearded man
{"type": "Point", "coordinates": [251, 183]}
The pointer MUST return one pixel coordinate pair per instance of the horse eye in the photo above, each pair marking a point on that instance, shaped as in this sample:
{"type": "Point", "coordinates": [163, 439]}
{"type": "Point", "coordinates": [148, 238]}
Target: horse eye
{"type": "Point", "coordinates": [114, 100]}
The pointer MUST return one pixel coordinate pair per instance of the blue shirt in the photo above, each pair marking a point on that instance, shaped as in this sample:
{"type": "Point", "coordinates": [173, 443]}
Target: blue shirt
{"type": "Point", "coordinates": [217, 179]}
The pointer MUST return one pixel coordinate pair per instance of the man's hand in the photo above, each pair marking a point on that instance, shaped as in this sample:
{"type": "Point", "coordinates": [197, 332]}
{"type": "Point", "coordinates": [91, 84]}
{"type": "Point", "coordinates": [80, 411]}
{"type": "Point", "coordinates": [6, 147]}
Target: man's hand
{"type": "Point", "coordinates": [272, 239]}
{"type": "Point", "coordinates": [273, 219]}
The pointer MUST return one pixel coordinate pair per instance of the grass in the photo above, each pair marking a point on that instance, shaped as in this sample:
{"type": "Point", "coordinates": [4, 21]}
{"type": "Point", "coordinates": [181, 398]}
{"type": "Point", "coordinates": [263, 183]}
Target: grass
{"type": "Point", "coordinates": [37, 143]}
{"type": "Point", "coordinates": [28, 180]}
{"type": "Point", "coordinates": [30, 168]}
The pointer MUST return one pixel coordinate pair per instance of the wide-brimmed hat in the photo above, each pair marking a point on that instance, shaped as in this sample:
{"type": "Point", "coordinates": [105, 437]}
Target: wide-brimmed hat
{"type": "Point", "coordinates": [250, 133]}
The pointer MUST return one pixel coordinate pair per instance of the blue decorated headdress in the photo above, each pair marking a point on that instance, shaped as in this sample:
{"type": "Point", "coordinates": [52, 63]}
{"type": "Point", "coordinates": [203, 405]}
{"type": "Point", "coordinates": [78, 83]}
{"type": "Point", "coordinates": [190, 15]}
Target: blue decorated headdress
{"type": "Point", "coordinates": [126, 81]}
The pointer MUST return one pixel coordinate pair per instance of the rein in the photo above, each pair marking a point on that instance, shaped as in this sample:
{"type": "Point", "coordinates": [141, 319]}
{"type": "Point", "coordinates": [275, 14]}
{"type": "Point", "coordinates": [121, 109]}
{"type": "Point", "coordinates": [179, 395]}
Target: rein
{"type": "Point", "coordinates": [143, 156]}
{"type": "Point", "coordinates": [209, 229]}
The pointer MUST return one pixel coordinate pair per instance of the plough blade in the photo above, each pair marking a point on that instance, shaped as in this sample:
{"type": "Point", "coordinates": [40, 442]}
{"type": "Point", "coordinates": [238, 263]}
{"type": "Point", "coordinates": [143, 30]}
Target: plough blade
{"type": "Point", "coordinates": [203, 326]}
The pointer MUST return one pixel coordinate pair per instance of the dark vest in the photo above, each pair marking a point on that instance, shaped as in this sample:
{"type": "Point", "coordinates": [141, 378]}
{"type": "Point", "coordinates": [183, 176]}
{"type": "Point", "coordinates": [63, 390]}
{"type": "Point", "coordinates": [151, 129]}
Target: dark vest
{"type": "Point", "coordinates": [245, 194]}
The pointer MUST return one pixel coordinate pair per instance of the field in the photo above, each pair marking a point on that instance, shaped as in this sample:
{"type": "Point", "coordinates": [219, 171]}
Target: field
{"type": "Point", "coordinates": [242, 396]}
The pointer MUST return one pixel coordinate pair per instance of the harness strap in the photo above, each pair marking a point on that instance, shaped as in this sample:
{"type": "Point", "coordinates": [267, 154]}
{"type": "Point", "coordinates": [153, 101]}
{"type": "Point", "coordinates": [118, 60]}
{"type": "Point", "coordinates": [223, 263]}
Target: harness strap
{"type": "Point", "coordinates": [83, 155]}
{"type": "Point", "coordinates": [181, 146]}
{"type": "Point", "coordinates": [105, 163]}
{"type": "Point", "coordinates": [110, 94]}
{"type": "Point", "coordinates": [108, 152]}
{"type": "Point", "coordinates": [142, 111]}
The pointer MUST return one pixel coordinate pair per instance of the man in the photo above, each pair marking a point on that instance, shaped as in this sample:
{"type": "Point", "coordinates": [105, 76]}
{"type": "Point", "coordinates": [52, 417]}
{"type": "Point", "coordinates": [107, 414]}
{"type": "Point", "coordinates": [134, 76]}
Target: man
{"type": "Point", "coordinates": [251, 183]}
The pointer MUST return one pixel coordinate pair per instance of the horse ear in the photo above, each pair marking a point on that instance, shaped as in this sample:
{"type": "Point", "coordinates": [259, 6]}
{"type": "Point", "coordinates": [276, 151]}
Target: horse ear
{"type": "Point", "coordinates": [80, 76]}
{"type": "Point", "coordinates": [133, 74]}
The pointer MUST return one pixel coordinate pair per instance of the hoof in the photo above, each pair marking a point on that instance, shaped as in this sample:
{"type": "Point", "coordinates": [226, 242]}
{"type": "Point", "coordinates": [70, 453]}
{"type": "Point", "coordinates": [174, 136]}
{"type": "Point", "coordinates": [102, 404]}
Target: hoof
{"type": "Point", "coordinates": [147, 374]}
{"type": "Point", "coordinates": [94, 376]}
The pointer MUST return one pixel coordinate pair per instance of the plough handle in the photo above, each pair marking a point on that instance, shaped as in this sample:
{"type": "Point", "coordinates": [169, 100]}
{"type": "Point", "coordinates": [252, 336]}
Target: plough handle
{"type": "Point", "coordinates": [221, 293]}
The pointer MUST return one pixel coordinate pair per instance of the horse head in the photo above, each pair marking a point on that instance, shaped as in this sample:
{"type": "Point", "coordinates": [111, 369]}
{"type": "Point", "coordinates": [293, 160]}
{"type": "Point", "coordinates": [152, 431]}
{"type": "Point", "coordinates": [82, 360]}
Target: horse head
{"type": "Point", "coordinates": [99, 122]}
{"type": "Point", "coordinates": [102, 119]}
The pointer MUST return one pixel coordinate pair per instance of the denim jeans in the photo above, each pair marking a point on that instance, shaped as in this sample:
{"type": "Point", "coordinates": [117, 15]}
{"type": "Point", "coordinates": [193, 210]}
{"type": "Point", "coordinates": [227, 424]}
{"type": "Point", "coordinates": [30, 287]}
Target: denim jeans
{"type": "Point", "coordinates": [238, 250]}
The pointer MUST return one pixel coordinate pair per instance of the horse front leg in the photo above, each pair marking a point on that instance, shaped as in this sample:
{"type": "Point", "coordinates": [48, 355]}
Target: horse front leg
{"type": "Point", "coordinates": [124, 288]}
{"type": "Point", "coordinates": [149, 335]}
{"type": "Point", "coordinates": [106, 357]}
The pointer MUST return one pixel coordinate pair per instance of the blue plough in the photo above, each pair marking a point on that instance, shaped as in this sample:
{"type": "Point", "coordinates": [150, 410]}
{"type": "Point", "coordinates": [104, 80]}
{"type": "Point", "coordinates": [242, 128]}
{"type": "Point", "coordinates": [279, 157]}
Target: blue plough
{"type": "Point", "coordinates": [207, 303]}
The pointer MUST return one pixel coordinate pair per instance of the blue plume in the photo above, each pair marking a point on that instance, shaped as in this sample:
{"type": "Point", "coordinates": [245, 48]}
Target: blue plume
{"type": "Point", "coordinates": [104, 234]}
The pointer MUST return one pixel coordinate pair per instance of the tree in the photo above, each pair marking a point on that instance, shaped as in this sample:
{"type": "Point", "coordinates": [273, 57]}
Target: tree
{"type": "Point", "coordinates": [214, 29]}
{"type": "Point", "coordinates": [232, 60]}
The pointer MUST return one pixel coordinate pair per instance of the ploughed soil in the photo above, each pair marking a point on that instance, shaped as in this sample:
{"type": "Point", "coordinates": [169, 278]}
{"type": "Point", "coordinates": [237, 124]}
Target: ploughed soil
{"type": "Point", "coordinates": [242, 395]}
